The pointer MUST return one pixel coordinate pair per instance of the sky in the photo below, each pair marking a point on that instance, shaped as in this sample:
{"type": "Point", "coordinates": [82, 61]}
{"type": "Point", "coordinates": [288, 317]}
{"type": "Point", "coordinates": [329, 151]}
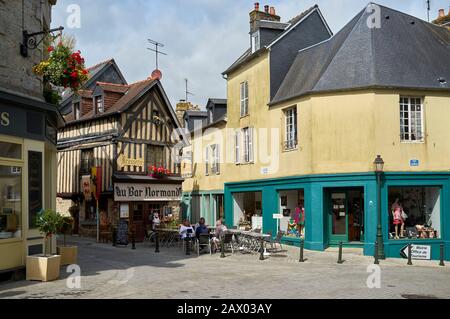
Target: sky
{"type": "Point", "coordinates": [201, 37]}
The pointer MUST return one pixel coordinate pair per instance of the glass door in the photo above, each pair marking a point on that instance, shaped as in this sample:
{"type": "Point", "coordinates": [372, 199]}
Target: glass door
{"type": "Point", "coordinates": [338, 217]}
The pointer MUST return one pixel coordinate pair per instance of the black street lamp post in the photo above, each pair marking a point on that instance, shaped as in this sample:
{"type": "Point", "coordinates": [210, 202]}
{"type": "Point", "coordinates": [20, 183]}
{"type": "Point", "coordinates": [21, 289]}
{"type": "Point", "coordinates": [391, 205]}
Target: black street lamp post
{"type": "Point", "coordinates": [379, 165]}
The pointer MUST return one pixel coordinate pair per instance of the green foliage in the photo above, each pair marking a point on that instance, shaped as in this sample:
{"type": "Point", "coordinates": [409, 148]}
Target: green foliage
{"type": "Point", "coordinates": [49, 222]}
{"type": "Point", "coordinates": [66, 225]}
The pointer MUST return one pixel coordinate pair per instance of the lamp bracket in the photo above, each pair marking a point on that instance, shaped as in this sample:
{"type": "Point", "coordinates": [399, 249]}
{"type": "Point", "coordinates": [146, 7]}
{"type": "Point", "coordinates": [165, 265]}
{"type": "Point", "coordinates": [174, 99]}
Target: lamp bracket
{"type": "Point", "coordinates": [31, 42]}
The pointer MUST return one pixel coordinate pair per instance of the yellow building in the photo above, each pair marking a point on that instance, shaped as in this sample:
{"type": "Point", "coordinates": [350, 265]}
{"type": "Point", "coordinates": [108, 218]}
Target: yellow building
{"type": "Point", "coordinates": [300, 141]}
{"type": "Point", "coordinates": [27, 136]}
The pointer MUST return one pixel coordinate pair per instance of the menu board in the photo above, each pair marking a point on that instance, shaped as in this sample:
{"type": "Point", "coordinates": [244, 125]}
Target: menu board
{"type": "Point", "coordinates": [122, 233]}
{"type": "Point", "coordinates": [34, 186]}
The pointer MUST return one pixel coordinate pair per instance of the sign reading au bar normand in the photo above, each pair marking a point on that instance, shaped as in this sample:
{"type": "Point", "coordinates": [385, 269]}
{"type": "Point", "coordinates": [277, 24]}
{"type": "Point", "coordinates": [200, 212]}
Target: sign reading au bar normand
{"type": "Point", "coordinates": [144, 192]}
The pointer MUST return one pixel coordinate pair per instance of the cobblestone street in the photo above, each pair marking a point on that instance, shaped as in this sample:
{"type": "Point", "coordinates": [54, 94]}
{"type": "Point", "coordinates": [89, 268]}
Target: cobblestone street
{"type": "Point", "coordinates": [109, 272]}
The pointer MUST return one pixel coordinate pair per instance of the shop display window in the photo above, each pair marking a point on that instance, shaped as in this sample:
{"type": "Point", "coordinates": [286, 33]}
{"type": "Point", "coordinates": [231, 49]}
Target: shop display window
{"type": "Point", "coordinates": [10, 202]}
{"type": "Point", "coordinates": [10, 150]}
{"type": "Point", "coordinates": [414, 212]}
{"type": "Point", "coordinates": [247, 209]}
{"type": "Point", "coordinates": [292, 213]}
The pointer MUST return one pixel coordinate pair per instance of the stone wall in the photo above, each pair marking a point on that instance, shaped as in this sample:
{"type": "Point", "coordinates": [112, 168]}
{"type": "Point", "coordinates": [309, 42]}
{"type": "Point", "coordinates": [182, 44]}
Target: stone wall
{"type": "Point", "coordinates": [15, 70]}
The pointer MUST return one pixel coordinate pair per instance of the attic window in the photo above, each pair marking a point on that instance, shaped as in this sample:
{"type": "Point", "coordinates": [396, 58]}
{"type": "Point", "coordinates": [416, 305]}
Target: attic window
{"type": "Point", "coordinates": [99, 106]}
{"type": "Point", "coordinates": [76, 110]}
{"type": "Point", "coordinates": [255, 42]}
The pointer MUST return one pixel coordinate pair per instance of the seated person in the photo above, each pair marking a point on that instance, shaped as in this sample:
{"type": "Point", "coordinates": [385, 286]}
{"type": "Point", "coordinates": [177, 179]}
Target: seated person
{"type": "Point", "coordinates": [186, 230]}
{"type": "Point", "coordinates": [201, 228]}
{"type": "Point", "coordinates": [220, 229]}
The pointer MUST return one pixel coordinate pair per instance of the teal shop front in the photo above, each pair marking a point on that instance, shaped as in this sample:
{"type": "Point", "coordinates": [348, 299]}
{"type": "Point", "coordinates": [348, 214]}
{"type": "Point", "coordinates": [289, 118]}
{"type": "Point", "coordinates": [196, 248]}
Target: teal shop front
{"type": "Point", "coordinates": [206, 204]}
{"type": "Point", "coordinates": [344, 208]}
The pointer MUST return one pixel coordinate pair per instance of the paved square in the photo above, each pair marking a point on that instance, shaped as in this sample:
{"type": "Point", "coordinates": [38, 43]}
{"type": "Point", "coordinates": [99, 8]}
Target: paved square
{"type": "Point", "coordinates": [109, 272]}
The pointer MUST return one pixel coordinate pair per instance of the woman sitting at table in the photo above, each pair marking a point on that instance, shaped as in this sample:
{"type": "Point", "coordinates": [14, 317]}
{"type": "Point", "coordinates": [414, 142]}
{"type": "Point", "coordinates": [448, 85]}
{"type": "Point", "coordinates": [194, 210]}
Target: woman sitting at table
{"type": "Point", "coordinates": [220, 229]}
{"type": "Point", "coordinates": [187, 233]}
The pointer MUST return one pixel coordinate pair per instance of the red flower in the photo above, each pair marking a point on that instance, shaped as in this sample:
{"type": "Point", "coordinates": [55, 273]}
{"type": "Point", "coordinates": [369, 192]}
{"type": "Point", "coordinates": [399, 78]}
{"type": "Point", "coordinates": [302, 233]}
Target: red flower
{"type": "Point", "coordinates": [74, 75]}
{"type": "Point", "coordinates": [50, 48]}
{"type": "Point", "coordinates": [85, 72]}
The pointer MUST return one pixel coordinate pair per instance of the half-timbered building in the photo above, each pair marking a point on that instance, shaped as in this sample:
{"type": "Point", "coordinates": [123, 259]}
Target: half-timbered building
{"type": "Point", "coordinates": [113, 134]}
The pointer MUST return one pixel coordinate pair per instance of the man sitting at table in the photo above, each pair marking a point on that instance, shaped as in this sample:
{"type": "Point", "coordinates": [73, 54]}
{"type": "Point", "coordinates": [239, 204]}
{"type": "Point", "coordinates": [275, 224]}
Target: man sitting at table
{"type": "Point", "coordinates": [220, 229]}
{"type": "Point", "coordinates": [201, 228]}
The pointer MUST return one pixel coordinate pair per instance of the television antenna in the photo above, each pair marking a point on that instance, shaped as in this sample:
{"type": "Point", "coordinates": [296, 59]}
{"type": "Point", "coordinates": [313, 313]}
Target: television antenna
{"type": "Point", "coordinates": [428, 10]}
{"type": "Point", "coordinates": [187, 90]}
{"type": "Point", "coordinates": [156, 49]}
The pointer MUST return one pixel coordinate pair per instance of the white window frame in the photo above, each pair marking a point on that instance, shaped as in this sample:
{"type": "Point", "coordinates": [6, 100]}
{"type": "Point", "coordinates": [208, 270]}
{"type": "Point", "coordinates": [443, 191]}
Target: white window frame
{"type": "Point", "coordinates": [247, 141]}
{"type": "Point", "coordinates": [99, 107]}
{"type": "Point", "coordinates": [244, 99]}
{"type": "Point", "coordinates": [207, 161]}
{"type": "Point", "coordinates": [77, 110]}
{"type": "Point", "coordinates": [256, 41]}
{"type": "Point", "coordinates": [291, 128]}
{"type": "Point", "coordinates": [237, 147]}
{"type": "Point", "coordinates": [215, 161]}
{"type": "Point", "coordinates": [407, 130]}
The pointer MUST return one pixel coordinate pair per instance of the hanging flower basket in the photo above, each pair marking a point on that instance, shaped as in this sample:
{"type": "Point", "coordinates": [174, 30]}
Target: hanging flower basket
{"type": "Point", "coordinates": [64, 68]}
{"type": "Point", "coordinates": [158, 172]}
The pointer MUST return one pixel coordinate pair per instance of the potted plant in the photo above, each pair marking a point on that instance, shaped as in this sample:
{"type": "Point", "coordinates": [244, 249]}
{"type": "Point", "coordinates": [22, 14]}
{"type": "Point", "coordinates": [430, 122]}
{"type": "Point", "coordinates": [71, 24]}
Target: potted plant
{"type": "Point", "coordinates": [69, 254]}
{"type": "Point", "coordinates": [45, 267]}
{"type": "Point", "coordinates": [158, 172]}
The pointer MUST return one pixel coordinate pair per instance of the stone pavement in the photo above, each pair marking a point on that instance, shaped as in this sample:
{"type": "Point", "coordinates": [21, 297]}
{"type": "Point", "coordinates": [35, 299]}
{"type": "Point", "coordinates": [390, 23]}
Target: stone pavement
{"type": "Point", "coordinates": [109, 272]}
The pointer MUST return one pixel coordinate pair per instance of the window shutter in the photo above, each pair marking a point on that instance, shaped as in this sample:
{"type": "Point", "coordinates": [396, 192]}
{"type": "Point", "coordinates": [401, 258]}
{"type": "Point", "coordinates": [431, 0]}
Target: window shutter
{"type": "Point", "coordinates": [250, 145]}
{"type": "Point", "coordinates": [217, 159]}
{"type": "Point", "coordinates": [207, 160]}
{"type": "Point", "coordinates": [237, 146]}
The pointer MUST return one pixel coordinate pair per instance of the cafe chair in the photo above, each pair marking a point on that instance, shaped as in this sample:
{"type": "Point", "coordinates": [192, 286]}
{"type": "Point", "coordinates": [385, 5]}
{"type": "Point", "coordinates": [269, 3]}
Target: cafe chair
{"type": "Point", "coordinates": [204, 241]}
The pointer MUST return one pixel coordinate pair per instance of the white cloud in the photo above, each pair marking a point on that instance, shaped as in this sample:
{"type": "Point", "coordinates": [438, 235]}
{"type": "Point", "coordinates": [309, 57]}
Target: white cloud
{"type": "Point", "coordinates": [202, 37]}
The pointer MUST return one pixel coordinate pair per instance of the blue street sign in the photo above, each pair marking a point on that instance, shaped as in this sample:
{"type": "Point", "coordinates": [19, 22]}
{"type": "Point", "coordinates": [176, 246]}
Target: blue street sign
{"type": "Point", "coordinates": [414, 163]}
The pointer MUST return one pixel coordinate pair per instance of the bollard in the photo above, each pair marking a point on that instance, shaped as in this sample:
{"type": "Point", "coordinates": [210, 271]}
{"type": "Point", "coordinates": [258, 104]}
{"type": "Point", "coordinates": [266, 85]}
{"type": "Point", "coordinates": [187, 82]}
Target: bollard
{"type": "Point", "coordinates": [156, 241]}
{"type": "Point", "coordinates": [302, 247]}
{"type": "Point", "coordinates": [410, 255]}
{"type": "Point", "coordinates": [222, 247]}
{"type": "Point", "coordinates": [114, 237]}
{"type": "Point", "coordinates": [261, 255]}
{"type": "Point", "coordinates": [133, 241]}
{"type": "Point", "coordinates": [340, 261]}
{"type": "Point", "coordinates": [376, 262]}
{"type": "Point", "coordinates": [441, 263]}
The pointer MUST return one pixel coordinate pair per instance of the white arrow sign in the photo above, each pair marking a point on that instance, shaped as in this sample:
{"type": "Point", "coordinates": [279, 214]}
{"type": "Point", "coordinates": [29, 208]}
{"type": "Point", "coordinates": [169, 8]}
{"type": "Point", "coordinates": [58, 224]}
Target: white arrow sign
{"type": "Point", "coordinates": [418, 252]}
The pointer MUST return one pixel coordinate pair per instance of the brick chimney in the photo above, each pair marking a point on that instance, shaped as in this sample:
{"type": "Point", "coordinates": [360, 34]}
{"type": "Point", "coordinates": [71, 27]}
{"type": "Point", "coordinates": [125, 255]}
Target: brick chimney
{"type": "Point", "coordinates": [181, 109]}
{"type": "Point", "coordinates": [441, 13]}
{"type": "Point", "coordinates": [257, 15]}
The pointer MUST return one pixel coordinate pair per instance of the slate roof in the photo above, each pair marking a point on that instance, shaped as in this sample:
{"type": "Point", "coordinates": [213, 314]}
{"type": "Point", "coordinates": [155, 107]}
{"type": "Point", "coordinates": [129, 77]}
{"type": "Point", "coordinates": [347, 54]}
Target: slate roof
{"type": "Point", "coordinates": [248, 55]}
{"type": "Point", "coordinates": [405, 52]}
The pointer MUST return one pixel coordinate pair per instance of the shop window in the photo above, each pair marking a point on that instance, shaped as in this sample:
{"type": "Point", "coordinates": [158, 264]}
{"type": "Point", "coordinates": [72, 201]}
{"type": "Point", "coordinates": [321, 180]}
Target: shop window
{"type": "Point", "coordinates": [218, 200]}
{"type": "Point", "coordinates": [10, 202]}
{"type": "Point", "coordinates": [10, 150]}
{"type": "Point", "coordinates": [414, 212]}
{"type": "Point", "coordinates": [138, 212]}
{"type": "Point", "coordinates": [292, 210]}
{"type": "Point", "coordinates": [247, 210]}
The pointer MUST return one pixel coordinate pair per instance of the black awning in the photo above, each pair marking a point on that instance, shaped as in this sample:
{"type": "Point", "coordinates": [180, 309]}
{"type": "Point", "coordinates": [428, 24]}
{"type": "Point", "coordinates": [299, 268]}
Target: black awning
{"type": "Point", "coordinates": [143, 179]}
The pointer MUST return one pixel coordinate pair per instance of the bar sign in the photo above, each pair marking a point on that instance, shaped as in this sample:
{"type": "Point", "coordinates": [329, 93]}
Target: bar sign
{"type": "Point", "coordinates": [414, 163]}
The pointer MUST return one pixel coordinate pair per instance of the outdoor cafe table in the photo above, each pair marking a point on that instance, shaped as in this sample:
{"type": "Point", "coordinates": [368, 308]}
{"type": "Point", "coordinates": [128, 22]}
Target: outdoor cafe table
{"type": "Point", "coordinates": [167, 236]}
{"type": "Point", "coordinates": [251, 240]}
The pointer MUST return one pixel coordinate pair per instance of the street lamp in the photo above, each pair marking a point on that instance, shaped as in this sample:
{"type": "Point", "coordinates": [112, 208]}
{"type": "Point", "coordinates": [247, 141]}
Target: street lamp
{"type": "Point", "coordinates": [379, 165]}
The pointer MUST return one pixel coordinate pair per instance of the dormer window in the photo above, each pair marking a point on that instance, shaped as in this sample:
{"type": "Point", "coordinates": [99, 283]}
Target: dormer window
{"type": "Point", "coordinates": [255, 42]}
{"type": "Point", "coordinates": [76, 110]}
{"type": "Point", "coordinates": [99, 106]}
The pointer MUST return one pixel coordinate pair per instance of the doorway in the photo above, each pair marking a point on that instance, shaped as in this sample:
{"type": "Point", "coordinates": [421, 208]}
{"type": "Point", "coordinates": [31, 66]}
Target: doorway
{"type": "Point", "coordinates": [345, 210]}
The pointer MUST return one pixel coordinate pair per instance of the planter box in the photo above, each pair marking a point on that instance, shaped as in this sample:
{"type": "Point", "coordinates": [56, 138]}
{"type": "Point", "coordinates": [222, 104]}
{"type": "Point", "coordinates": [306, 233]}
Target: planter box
{"type": "Point", "coordinates": [69, 255]}
{"type": "Point", "coordinates": [42, 268]}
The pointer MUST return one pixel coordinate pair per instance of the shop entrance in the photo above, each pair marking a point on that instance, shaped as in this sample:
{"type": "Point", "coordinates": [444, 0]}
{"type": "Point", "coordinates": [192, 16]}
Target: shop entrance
{"type": "Point", "coordinates": [345, 211]}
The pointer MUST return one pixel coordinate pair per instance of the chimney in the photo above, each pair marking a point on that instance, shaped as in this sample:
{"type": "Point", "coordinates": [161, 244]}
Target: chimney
{"type": "Point", "coordinates": [256, 16]}
{"type": "Point", "coordinates": [181, 109]}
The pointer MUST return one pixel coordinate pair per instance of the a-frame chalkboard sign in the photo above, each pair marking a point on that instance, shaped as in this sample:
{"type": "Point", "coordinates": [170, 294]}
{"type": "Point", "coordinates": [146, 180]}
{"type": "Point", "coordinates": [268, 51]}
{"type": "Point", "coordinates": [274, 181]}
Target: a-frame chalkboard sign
{"type": "Point", "coordinates": [122, 233]}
